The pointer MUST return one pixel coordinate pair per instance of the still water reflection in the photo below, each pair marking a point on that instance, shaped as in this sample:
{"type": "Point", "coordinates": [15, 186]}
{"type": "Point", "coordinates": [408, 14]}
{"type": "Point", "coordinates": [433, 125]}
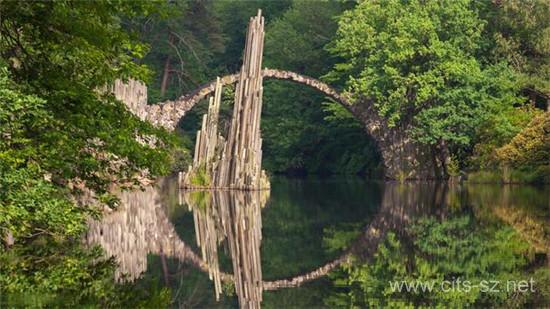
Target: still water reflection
{"type": "Point", "coordinates": [233, 216]}
{"type": "Point", "coordinates": [274, 248]}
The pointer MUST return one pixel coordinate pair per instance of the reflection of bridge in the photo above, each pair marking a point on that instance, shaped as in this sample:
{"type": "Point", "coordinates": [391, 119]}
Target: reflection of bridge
{"type": "Point", "coordinates": [400, 205]}
{"type": "Point", "coordinates": [141, 227]}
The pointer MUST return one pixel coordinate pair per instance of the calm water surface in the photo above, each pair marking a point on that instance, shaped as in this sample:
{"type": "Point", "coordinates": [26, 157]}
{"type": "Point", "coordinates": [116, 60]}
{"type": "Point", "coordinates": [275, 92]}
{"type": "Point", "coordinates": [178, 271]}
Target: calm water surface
{"type": "Point", "coordinates": [194, 242]}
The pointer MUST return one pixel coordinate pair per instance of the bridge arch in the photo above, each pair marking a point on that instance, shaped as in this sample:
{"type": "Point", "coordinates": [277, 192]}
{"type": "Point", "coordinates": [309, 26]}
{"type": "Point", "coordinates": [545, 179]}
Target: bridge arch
{"type": "Point", "coordinates": [402, 157]}
{"type": "Point", "coordinates": [168, 113]}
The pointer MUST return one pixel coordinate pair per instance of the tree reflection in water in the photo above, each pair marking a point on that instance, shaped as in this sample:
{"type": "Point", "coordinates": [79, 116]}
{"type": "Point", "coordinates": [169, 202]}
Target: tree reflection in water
{"type": "Point", "coordinates": [233, 219]}
{"type": "Point", "coordinates": [140, 227]}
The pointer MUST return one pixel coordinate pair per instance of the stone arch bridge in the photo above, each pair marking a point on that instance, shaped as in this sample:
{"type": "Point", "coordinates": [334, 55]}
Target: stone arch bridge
{"type": "Point", "coordinates": [402, 157]}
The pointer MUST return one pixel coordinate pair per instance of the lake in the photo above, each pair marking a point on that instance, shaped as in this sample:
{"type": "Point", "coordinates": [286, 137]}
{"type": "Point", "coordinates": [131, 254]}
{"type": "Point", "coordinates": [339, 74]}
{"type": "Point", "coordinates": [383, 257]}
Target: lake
{"type": "Point", "coordinates": [273, 249]}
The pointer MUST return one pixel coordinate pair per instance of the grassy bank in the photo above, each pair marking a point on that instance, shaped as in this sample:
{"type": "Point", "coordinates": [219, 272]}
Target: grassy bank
{"type": "Point", "coordinates": [540, 175]}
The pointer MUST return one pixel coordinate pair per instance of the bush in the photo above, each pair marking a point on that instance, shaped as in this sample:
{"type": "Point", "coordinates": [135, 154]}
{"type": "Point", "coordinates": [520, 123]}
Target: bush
{"type": "Point", "coordinates": [485, 177]}
{"type": "Point", "coordinates": [530, 147]}
{"type": "Point", "coordinates": [200, 177]}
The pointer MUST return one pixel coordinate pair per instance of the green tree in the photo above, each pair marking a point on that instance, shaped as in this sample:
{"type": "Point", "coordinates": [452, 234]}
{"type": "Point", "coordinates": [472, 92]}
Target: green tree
{"type": "Point", "coordinates": [417, 61]}
{"type": "Point", "coordinates": [298, 136]}
{"type": "Point", "coordinates": [519, 31]}
{"type": "Point", "coordinates": [234, 16]}
{"type": "Point", "coordinates": [61, 136]}
{"type": "Point", "coordinates": [529, 150]}
{"type": "Point", "coordinates": [184, 46]}
{"type": "Point", "coordinates": [63, 52]}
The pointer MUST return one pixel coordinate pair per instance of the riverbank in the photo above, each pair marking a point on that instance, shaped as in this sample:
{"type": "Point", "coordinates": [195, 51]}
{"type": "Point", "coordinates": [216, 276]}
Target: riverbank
{"type": "Point", "coordinates": [540, 176]}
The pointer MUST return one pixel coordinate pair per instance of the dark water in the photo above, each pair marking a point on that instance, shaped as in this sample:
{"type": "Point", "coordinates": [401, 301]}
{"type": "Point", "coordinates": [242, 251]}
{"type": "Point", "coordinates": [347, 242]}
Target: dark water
{"type": "Point", "coordinates": [194, 241]}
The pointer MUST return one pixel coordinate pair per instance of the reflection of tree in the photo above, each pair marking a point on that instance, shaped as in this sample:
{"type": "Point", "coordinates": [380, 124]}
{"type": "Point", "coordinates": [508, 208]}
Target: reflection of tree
{"type": "Point", "coordinates": [524, 208]}
{"type": "Point", "coordinates": [453, 246]}
{"type": "Point", "coordinates": [532, 230]}
{"type": "Point", "coordinates": [141, 227]}
{"type": "Point", "coordinates": [401, 204]}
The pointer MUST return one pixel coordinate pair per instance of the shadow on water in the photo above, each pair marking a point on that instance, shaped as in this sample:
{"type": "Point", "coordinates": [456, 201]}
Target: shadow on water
{"type": "Point", "coordinates": [249, 248]}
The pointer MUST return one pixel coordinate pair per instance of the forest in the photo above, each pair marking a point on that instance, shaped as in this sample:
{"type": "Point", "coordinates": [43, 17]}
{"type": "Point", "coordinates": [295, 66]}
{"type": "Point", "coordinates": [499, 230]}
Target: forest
{"type": "Point", "coordinates": [469, 81]}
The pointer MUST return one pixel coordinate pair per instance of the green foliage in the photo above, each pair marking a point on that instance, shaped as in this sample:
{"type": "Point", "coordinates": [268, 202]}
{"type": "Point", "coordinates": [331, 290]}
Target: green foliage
{"type": "Point", "coordinates": [234, 16]}
{"type": "Point", "coordinates": [60, 136]}
{"type": "Point", "coordinates": [453, 167]}
{"type": "Point", "coordinates": [201, 198]}
{"type": "Point", "coordinates": [524, 159]}
{"type": "Point", "coordinates": [52, 274]}
{"type": "Point", "coordinates": [180, 155]}
{"type": "Point", "coordinates": [30, 203]}
{"type": "Point", "coordinates": [496, 131]}
{"type": "Point", "coordinates": [451, 68]}
{"type": "Point", "coordinates": [484, 176]}
{"type": "Point", "coordinates": [449, 250]}
{"type": "Point", "coordinates": [200, 177]}
{"type": "Point", "coordinates": [519, 32]}
{"type": "Point", "coordinates": [531, 147]}
{"type": "Point", "coordinates": [542, 297]}
{"type": "Point", "coordinates": [184, 46]}
{"type": "Point", "coordinates": [529, 175]}
{"type": "Point", "coordinates": [52, 43]}
{"type": "Point", "coordinates": [65, 51]}
{"type": "Point", "coordinates": [295, 40]}
{"type": "Point", "coordinates": [339, 239]}
{"type": "Point", "coordinates": [31, 206]}
{"type": "Point", "coordinates": [304, 142]}
{"type": "Point", "coordinates": [300, 137]}
{"type": "Point", "coordinates": [417, 61]}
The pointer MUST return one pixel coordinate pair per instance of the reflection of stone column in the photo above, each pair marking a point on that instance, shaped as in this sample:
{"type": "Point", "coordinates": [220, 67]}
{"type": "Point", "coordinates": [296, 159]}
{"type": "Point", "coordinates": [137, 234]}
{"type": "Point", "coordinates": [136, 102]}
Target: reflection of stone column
{"type": "Point", "coordinates": [243, 228]}
{"type": "Point", "coordinates": [139, 227]}
{"type": "Point", "coordinates": [236, 217]}
{"type": "Point", "coordinates": [125, 233]}
{"type": "Point", "coordinates": [208, 231]}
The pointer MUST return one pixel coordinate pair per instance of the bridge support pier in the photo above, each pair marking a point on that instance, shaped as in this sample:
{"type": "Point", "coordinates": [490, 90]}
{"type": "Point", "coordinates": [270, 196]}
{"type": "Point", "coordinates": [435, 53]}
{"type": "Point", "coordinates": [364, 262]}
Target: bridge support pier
{"type": "Point", "coordinates": [403, 158]}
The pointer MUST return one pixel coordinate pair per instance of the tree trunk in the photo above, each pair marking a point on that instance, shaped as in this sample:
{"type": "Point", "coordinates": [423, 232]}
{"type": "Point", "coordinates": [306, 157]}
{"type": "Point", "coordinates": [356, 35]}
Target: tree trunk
{"type": "Point", "coordinates": [165, 76]}
{"type": "Point", "coordinates": [165, 270]}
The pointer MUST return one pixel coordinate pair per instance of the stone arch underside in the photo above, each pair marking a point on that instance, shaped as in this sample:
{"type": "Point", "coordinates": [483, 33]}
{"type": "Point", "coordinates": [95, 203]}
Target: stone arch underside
{"type": "Point", "coordinates": [402, 157]}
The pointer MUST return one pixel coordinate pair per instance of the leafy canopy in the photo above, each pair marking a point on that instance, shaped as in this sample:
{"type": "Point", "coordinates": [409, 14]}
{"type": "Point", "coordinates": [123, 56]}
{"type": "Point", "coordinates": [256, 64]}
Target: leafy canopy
{"type": "Point", "coordinates": [59, 134]}
{"type": "Point", "coordinates": [416, 59]}
{"type": "Point", "coordinates": [63, 52]}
